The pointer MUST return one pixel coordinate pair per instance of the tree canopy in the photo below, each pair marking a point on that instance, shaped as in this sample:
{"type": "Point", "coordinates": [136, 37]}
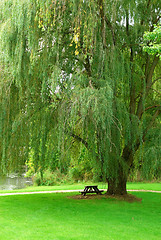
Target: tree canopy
{"type": "Point", "coordinates": [74, 74]}
{"type": "Point", "coordinates": [153, 40]}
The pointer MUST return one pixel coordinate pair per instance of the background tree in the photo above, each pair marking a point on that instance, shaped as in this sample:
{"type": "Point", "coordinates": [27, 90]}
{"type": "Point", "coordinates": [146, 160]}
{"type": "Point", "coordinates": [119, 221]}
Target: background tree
{"type": "Point", "coordinates": [79, 73]}
{"type": "Point", "coordinates": [153, 40]}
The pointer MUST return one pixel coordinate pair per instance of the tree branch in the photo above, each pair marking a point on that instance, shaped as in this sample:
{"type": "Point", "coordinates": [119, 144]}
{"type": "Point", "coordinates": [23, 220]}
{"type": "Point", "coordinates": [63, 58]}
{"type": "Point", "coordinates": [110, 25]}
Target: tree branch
{"type": "Point", "coordinates": [146, 7]}
{"type": "Point", "coordinates": [112, 31]}
{"type": "Point", "coordinates": [148, 76]}
{"type": "Point", "coordinates": [155, 22]}
{"type": "Point", "coordinates": [151, 71]}
{"type": "Point", "coordinates": [159, 78]}
{"type": "Point", "coordinates": [101, 9]}
{"type": "Point", "coordinates": [150, 107]}
{"type": "Point", "coordinates": [156, 91]}
{"type": "Point", "coordinates": [87, 66]}
{"type": "Point", "coordinates": [156, 114]}
{"type": "Point", "coordinates": [78, 138]}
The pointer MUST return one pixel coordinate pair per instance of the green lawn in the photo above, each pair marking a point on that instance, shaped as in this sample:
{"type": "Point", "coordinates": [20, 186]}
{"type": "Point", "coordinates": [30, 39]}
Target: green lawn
{"type": "Point", "coordinates": [57, 217]}
{"type": "Point", "coordinates": [145, 186]}
{"type": "Point", "coordinates": [140, 185]}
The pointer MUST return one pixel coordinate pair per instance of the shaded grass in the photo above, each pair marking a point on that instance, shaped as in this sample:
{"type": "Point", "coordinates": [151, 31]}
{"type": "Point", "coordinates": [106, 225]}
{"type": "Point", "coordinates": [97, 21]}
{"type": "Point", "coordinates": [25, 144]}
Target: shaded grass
{"type": "Point", "coordinates": [57, 217]}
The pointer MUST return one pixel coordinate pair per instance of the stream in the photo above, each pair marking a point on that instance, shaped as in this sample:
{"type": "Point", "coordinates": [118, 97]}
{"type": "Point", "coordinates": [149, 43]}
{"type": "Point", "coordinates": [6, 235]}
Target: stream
{"type": "Point", "coordinates": [14, 181]}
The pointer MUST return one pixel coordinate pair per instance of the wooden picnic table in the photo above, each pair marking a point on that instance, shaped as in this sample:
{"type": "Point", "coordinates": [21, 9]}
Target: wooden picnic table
{"type": "Point", "coordinates": [91, 189]}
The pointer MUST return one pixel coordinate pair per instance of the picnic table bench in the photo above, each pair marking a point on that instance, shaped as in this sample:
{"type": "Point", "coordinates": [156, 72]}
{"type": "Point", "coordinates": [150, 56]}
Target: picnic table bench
{"type": "Point", "coordinates": [91, 189]}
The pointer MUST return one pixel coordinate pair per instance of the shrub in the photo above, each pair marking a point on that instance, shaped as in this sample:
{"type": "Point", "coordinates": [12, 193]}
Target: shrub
{"type": "Point", "coordinates": [51, 178]}
{"type": "Point", "coordinates": [75, 174]}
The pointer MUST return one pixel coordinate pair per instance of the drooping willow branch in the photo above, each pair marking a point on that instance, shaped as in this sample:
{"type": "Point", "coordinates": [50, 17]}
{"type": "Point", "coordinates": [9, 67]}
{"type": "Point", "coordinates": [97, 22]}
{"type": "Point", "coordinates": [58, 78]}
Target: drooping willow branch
{"type": "Point", "coordinates": [78, 138]}
{"type": "Point", "coordinates": [150, 107]}
{"type": "Point", "coordinates": [156, 114]}
{"type": "Point", "coordinates": [148, 85]}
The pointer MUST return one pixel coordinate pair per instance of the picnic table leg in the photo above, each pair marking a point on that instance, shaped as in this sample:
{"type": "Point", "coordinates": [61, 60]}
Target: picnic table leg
{"type": "Point", "coordinates": [85, 191]}
{"type": "Point", "coordinates": [97, 190]}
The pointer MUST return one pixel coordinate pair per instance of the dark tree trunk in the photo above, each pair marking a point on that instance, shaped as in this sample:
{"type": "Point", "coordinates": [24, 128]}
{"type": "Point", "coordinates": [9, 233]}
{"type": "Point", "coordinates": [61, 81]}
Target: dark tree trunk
{"type": "Point", "coordinates": [41, 174]}
{"type": "Point", "coordinates": [117, 185]}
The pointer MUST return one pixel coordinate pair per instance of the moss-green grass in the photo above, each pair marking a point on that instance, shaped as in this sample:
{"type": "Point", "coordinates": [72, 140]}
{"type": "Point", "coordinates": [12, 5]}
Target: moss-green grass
{"type": "Point", "coordinates": [57, 217]}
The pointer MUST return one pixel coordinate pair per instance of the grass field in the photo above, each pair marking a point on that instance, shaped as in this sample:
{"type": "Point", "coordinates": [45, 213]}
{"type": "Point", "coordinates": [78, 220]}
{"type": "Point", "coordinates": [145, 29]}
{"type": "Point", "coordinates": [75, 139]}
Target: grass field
{"type": "Point", "coordinates": [131, 185]}
{"type": "Point", "coordinates": [58, 217]}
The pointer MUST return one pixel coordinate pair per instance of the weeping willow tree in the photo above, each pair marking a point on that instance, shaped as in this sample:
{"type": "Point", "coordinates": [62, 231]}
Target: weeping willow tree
{"type": "Point", "coordinates": [76, 71]}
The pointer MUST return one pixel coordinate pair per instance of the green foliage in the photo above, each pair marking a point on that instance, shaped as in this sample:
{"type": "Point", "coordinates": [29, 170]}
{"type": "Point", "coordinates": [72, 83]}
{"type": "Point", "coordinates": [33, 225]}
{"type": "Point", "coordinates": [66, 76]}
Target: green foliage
{"type": "Point", "coordinates": [74, 71]}
{"type": "Point", "coordinates": [50, 178]}
{"type": "Point", "coordinates": [76, 174]}
{"type": "Point", "coordinates": [152, 156]}
{"type": "Point", "coordinates": [153, 39]}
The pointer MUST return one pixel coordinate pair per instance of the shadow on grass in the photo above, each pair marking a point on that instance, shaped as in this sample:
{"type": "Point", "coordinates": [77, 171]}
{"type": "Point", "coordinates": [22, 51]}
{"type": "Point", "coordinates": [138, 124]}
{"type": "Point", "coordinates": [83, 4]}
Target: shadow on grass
{"type": "Point", "coordinates": [127, 197]}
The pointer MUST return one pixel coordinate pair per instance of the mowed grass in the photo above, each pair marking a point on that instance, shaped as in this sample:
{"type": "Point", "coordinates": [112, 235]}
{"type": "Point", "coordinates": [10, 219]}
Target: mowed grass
{"type": "Point", "coordinates": [155, 186]}
{"type": "Point", "coordinates": [55, 216]}
{"type": "Point", "coordinates": [78, 186]}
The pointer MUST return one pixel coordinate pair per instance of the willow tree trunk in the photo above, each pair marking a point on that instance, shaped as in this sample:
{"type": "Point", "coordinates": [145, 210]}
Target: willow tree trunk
{"type": "Point", "coordinates": [117, 185]}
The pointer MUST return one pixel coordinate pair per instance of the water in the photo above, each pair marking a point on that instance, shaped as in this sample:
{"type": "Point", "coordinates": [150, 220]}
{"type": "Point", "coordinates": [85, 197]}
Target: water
{"type": "Point", "coordinates": [13, 181]}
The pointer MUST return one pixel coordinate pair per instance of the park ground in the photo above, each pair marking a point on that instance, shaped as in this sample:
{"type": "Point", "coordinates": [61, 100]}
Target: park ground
{"type": "Point", "coordinates": [63, 216]}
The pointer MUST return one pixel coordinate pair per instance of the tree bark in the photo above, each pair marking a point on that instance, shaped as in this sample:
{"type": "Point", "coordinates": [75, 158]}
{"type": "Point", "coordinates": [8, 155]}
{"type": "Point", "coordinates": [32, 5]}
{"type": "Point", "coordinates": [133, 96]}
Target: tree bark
{"type": "Point", "coordinates": [117, 185]}
{"type": "Point", "coordinates": [148, 78]}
